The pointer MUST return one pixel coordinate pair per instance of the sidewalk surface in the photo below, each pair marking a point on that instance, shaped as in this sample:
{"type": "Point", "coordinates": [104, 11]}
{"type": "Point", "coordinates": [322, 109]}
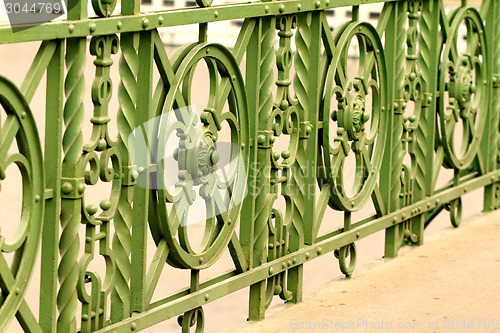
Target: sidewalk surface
{"type": "Point", "coordinates": [450, 284]}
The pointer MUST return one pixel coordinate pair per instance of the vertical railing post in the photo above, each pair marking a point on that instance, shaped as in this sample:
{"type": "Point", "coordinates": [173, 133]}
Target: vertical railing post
{"type": "Point", "coordinates": [127, 97]}
{"type": "Point", "coordinates": [395, 39]}
{"type": "Point", "coordinates": [52, 165]}
{"type": "Point", "coordinates": [261, 61]}
{"type": "Point", "coordinates": [425, 133]}
{"type": "Point", "coordinates": [307, 85]}
{"type": "Point", "coordinates": [490, 10]}
{"type": "Point", "coordinates": [141, 193]}
{"type": "Point", "coordinates": [72, 184]}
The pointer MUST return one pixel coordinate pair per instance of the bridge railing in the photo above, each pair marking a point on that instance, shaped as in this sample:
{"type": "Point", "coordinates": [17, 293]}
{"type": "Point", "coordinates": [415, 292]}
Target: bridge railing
{"type": "Point", "coordinates": [300, 118]}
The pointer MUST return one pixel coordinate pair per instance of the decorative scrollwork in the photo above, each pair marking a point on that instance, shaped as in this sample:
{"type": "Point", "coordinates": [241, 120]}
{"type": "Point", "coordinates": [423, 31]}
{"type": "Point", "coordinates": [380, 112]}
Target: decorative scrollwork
{"type": "Point", "coordinates": [348, 251]}
{"type": "Point", "coordinates": [94, 309]}
{"type": "Point", "coordinates": [463, 89]}
{"type": "Point", "coordinates": [19, 131]}
{"type": "Point", "coordinates": [204, 3]}
{"type": "Point", "coordinates": [100, 161]}
{"type": "Point", "coordinates": [285, 115]}
{"type": "Point", "coordinates": [278, 247]}
{"type": "Point", "coordinates": [352, 116]}
{"type": "Point", "coordinates": [104, 8]}
{"type": "Point", "coordinates": [191, 318]}
{"type": "Point", "coordinates": [198, 156]}
{"type": "Point", "coordinates": [455, 208]}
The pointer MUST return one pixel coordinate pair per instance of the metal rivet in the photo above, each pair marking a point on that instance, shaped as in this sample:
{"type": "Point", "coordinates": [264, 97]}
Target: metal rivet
{"type": "Point", "coordinates": [282, 8]}
{"type": "Point", "coordinates": [91, 209]}
{"type": "Point", "coordinates": [206, 297]}
{"type": "Point", "coordinates": [289, 262]}
{"type": "Point", "coordinates": [119, 25]}
{"type": "Point", "coordinates": [200, 260]}
{"type": "Point", "coordinates": [71, 28]}
{"type": "Point", "coordinates": [23, 114]}
{"type": "Point", "coordinates": [403, 216]}
{"type": "Point", "coordinates": [88, 239]}
{"type": "Point", "coordinates": [271, 271]}
{"type": "Point", "coordinates": [105, 204]}
{"type": "Point", "coordinates": [145, 23]}
{"type": "Point", "coordinates": [133, 326]}
{"type": "Point", "coordinates": [266, 9]}
{"type": "Point", "coordinates": [216, 14]}
{"type": "Point", "coordinates": [160, 20]}
{"type": "Point", "coordinates": [37, 198]}
{"type": "Point", "coordinates": [317, 4]}
{"type": "Point", "coordinates": [319, 250]}
{"type": "Point", "coordinates": [92, 27]}
{"type": "Point", "coordinates": [294, 261]}
{"type": "Point", "coordinates": [85, 317]}
{"type": "Point", "coordinates": [299, 6]}
{"type": "Point", "coordinates": [357, 235]}
{"type": "Point", "coordinates": [17, 291]}
{"type": "Point", "coordinates": [66, 188]}
{"type": "Point", "coordinates": [394, 220]}
{"type": "Point", "coordinates": [308, 255]}
{"type": "Point", "coordinates": [283, 265]}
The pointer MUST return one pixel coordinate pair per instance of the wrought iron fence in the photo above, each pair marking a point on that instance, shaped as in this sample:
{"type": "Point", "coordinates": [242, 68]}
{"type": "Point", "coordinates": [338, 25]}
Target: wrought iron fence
{"type": "Point", "coordinates": [414, 103]}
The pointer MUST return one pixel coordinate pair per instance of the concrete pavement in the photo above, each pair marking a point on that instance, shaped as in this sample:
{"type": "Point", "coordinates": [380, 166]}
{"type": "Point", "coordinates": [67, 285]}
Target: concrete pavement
{"type": "Point", "coordinates": [450, 284]}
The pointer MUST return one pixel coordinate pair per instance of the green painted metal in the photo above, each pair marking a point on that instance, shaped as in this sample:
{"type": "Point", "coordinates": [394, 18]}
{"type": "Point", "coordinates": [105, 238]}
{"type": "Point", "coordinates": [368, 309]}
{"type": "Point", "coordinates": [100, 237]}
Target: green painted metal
{"type": "Point", "coordinates": [296, 114]}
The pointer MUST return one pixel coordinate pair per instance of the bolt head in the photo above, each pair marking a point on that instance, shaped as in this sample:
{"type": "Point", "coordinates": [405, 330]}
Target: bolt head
{"type": "Point", "coordinates": [105, 204]}
{"type": "Point", "coordinates": [66, 188]}
{"type": "Point", "coordinates": [91, 209]}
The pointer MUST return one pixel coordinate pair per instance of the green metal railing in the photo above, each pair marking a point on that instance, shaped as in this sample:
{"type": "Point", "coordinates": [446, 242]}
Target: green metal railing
{"type": "Point", "coordinates": [415, 103]}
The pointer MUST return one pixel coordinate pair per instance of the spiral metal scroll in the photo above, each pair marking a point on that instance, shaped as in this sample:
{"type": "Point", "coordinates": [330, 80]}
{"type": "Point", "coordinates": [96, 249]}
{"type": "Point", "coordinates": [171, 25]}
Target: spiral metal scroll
{"type": "Point", "coordinates": [360, 131]}
{"type": "Point", "coordinates": [19, 129]}
{"type": "Point", "coordinates": [463, 89]}
{"type": "Point", "coordinates": [197, 157]}
{"type": "Point", "coordinates": [342, 254]}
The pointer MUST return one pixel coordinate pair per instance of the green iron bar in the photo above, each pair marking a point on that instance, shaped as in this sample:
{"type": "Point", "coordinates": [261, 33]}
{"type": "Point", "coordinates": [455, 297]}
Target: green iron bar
{"type": "Point", "coordinates": [317, 112]}
{"type": "Point", "coordinates": [148, 21]}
